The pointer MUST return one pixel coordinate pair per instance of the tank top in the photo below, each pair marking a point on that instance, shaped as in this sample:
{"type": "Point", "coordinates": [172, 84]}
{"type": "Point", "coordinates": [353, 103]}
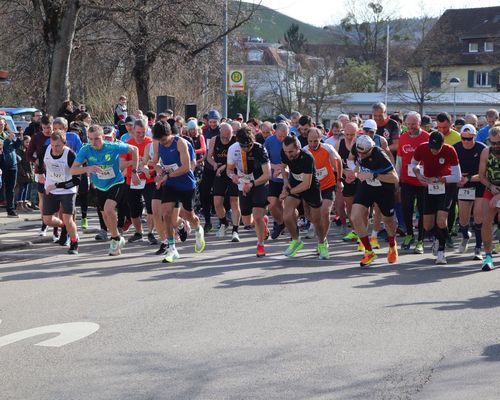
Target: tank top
{"type": "Point", "coordinates": [344, 152]}
{"type": "Point", "coordinates": [171, 159]}
{"type": "Point", "coordinates": [493, 169]}
{"type": "Point", "coordinates": [220, 149]}
{"type": "Point", "coordinates": [57, 171]}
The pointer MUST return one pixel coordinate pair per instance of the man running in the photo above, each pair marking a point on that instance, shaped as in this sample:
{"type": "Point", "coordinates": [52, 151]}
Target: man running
{"type": "Point", "coordinates": [103, 165]}
{"type": "Point", "coordinates": [248, 167]}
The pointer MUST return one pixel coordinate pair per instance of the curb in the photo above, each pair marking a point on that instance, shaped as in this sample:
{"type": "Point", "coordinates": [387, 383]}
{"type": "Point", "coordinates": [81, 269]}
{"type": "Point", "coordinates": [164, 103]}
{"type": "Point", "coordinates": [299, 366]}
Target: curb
{"type": "Point", "coordinates": [23, 245]}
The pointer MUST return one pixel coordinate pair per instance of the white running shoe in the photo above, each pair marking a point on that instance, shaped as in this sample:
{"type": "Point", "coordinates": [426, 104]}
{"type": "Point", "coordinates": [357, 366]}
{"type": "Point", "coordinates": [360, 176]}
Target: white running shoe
{"type": "Point", "coordinates": [441, 259]}
{"type": "Point", "coordinates": [221, 232]}
{"type": "Point", "coordinates": [171, 255]}
{"type": "Point", "coordinates": [235, 238]}
{"type": "Point", "coordinates": [200, 240]}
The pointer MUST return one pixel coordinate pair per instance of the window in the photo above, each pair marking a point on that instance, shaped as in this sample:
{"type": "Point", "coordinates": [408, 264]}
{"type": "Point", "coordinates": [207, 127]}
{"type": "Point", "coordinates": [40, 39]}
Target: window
{"type": "Point", "coordinates": [255, 55]}
{"type": "Point", "coordinates": [473, 48]}
{"type": "Point", "coordinates": [488, 46]}
{"type": "Point", "coordinates": [435, 79]}
{"type": "Point", "coordinates": [482, 79]}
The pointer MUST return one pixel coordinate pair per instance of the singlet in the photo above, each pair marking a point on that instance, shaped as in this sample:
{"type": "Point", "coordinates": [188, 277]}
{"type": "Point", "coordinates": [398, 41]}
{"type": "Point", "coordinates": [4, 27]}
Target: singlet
{"type": "Point", "coordinates": [58, 170]}
{"type": "Point", "coordinates": [221, 149]}
{"type": "Point", "coordinates": [344, 152]}
{"type": "Point", "coordinates": [493, 169]}
{"type": "Point", "coordinates": [324, 168]}
{"type": "Point", "coordinates": [171, 159]}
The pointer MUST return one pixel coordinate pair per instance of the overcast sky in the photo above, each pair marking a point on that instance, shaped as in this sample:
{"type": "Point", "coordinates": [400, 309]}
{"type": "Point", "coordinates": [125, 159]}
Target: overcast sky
{"type": "Point", "coordinates": [325, 12]}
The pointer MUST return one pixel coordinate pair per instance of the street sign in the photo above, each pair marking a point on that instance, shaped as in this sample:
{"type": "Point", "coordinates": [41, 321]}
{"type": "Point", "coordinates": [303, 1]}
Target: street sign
{"type": "Point", "coordinates": [236, 81]}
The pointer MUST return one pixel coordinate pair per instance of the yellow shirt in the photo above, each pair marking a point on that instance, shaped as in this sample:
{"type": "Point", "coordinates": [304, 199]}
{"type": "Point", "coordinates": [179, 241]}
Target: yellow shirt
{"type": "Point", "coordinates": [452, 137]}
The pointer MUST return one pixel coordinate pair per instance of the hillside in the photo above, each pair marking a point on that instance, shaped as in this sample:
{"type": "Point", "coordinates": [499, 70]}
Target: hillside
{"type": "Point", "coordinates": [271, 26]}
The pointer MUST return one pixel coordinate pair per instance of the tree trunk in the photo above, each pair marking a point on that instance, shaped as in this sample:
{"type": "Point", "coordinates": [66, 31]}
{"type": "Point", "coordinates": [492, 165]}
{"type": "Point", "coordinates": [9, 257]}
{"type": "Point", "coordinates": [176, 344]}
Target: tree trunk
{"type": "Point", "coordinates": [60, 47]}
{"type": "Point", "coordinates": [141, 74]}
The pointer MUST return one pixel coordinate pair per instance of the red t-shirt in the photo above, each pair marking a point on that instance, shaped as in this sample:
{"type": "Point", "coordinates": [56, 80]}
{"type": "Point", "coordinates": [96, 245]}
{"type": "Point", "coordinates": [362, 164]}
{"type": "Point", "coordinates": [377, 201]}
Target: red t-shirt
{"type": "Point", "coordinates": [436, 165]}
{"type": "Point", "coordinates": [127, 157]}
{"type": "Point", "coordinates": [406, 148]}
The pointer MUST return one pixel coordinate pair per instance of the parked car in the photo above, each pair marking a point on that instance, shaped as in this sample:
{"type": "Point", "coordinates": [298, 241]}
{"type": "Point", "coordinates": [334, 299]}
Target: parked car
{"type": "Point", "coordinates": [21, 115]}
{"type": "Point", "coordinates": [10, 122]}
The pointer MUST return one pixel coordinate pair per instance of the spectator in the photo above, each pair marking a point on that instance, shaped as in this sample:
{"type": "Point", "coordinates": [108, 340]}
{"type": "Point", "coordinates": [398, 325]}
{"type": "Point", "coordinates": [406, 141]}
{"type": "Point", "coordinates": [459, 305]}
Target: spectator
{"type": "Point", "coordinates": [35, 126]}
{"type": "Point", "coordinates": [68, 111]}
{"type": "Point", "coordinates": [25, 176]}
{"type": "Point", "coordinates": [9, 165]}
{"type": "Point", "coordinates": [120, 112]}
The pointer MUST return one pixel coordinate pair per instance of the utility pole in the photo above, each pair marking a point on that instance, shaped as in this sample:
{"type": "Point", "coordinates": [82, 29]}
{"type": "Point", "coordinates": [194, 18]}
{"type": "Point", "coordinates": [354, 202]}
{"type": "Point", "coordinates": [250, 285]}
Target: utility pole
{"type": "Point", "coordinates": [224, 95]}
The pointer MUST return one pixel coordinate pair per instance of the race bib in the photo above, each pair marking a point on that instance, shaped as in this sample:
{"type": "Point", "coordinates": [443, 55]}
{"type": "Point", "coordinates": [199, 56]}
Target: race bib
{"type": "Point", "coordinates": [106, 173]}
{"type": "Point", "coordinates": [170, 168]}
{"type": "Point", "coordinates": [275, 168]}
{"type": "Point", "coordinates": [141, 184]}
{"type": "Point", "coordinates": [467, 194]}
{"type": "Point", "coordinates": [436, 188]}
{"type": "Point", "coordinates": [321, 173]}
{"type": "Point", "coordinates": [298, 177]}
{"type": "Point", "coordinates": [498, 204]}
{"type": "Point", "coordinates": [373, 182]}
{"type": "Point", "coordinates": [56, 173]}
{"type": "Point", "coordinates": [410, 171]}
{"type": "Point", "coordinates": [36, 178]}
{"type": "Point", "coordinates": [246, 178]}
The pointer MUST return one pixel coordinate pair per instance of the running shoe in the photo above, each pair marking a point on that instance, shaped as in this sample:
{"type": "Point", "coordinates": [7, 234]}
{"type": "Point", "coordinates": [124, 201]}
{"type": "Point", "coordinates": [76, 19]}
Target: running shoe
{"type": "Point", "coordinates": [441, 258]}
{"type": "Point", "coordinates": [407, 242]}
{"type": "Point", "coordinates": [368, 258]}
{"type": "Point", "coordinates": [73, 248]}
{"type": "Point", "coordinates": [137, 237]}
{"type": "Point", "coordinates": [221, 232]}
{"type": "Point", "coordinates": [392, 255]}
{"type": "Point", "coordinates": [152, 239]}
{"type": "Point", "coordinates": [374, 242]}
{"type": "Point", "coordinates": [235, 237]}
{"type": "Point", "coordinates": [464, 246]}
{"type": "Point", "coordinates": [162, 250]}
{"type": "Point", "coordinates": [277, 229]}
{"type": "Point", "coordinates": [449, 243]}
{"type": "Point", "coordinates": [102, 236]}
{"type": "Point", "coordinates": [208, 228]}
{"type": "Point", "coordinates": [127, 225]}
{"type": "Point", "coordinates": [497, 248]}
{"type": "Point", "coordinates": [84, 224]}
{"type": "Point", "coordinates": [63, 237]}
{"type": "Point", "coordinates": [477, 254]}
{"type": "Point", "coordinates": [350, 237]}
{"type": "Point", "coordinates": [43, 230]}
{"type": "Point", "coordinates": [171, 255]}
{"type": "Point", "coordinates": [182, 232]}
{"type": "Point", "coordinates": [248, 227]}
{"type": "Point", "coordinates": [266, 228]}
{"type": "Point", "coordinates": [55, 238]}
{"type": "Point", "coordinates": [293, 247]}
{"type": "Point", "coordinates": [200, 240]}
{"type": "Point", "coordinates": [323, 251]}
{"type": "Point", "coordinates": [361, 247]}
{"type": "Point", "coordinates": [261, 251]}
{"type": "Point", "coordinates": [487, 263]}
{"type": "Point", "coordinates": [419, 247]}
{"type": "Point", "coordinates": [311, 232]}
{"type": "Point", "coordinates": [116, 246]}
{"type": "Point", "coordinates": [435, 246]}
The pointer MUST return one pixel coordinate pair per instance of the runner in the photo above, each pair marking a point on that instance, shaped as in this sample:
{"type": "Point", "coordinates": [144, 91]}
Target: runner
{"type": "Point", "coordinates": [378, 179]}
{"type": "Point", "coordinates": [489, 175]}
{"type": "Point", "coordinates": [223, 185]}
{"type": "Point", "coordinates": [248, 167]}
{"type": "Point", "coordinates": [386, 127]}
{"type": "Point", "coordinates": [441, 174]}
{"type": "Point", "coordinates": [103, 165]}
{"type": "Point", "coordinates": [60, 189]}
{"type": "Point", "coordinates": [176, 178]}
{"type": "Point", "coordinates": [328, 167]}
{"type": "Point", "coordinates": [471, 191]}
{"type": "Point", "coordinates": [412, 190]}
{"type": "Point", "coordinates": [274, 145]}
{"type": "Point", "coordinates": [301, 184]}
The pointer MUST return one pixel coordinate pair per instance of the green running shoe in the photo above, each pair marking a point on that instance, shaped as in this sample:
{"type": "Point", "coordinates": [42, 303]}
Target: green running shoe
{"type": "Point", "coordinates": [323, 251]}
{"type": "Point", "coordinates": [293, 247]}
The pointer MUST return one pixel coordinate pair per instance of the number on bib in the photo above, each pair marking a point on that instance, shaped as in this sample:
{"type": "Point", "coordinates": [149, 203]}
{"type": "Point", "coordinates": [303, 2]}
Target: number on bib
{"type": "Point", "coordinates": [321, 173]}
{"type": "Point", "coordinates": [298, 177]}
{"type": "Point", "coordinates": [106, 173]}
{"type": "Point", "coordinates": [373, 182]}
{"type": "Point", "coordinates": [437, 188]}
{"type": "Point", "coordinates": [141, 185]}
{"type": "Point", "coordinates": [467, 194]}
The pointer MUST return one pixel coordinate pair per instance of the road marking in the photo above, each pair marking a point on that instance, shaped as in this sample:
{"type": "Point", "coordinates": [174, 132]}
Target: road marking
{"type": "Point", "coordinates": [67, 333]}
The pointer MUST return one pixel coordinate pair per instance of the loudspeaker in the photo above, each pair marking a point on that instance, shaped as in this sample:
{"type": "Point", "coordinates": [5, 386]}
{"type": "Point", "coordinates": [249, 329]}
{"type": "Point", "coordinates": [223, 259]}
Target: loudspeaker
{"type": "Point", "coordinates": [191, 111]}
{"type": "Point", "coordinates": [164, 103]}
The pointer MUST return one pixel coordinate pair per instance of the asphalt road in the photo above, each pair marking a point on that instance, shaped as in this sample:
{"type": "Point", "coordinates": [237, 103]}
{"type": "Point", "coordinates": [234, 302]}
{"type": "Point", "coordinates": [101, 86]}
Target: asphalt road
{"type": "Point", "coordinates": [226, 325]}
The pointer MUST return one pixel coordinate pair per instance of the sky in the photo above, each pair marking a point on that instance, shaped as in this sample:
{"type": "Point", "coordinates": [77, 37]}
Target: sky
{"type": "Point", "coordinates": [329, 12]}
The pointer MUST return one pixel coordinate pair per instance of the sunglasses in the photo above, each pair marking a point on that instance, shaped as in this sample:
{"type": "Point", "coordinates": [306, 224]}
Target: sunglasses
{"type": "Point", "coordinates": [467, 139]}
{"type": "Point", "coordinates": [495, 143]}
{"type": "Point", "coordinates": [361, 151]}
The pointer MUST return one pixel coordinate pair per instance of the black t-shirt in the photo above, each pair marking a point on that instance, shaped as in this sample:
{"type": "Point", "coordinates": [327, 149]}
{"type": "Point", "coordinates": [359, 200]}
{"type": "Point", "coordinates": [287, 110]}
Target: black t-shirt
{"type": "Point", "coordinates": [303, 164]}
{"type": "Point", "coordinates": [389, 131]}
{"type": "Point", "coordinates": [249, 162]}
{"type": "Point", "coordinates": [377, 163]}
{"type": "Point", "coordinates": [303, 140]}
{"type": "Point", "coordinates": [220, 149]}
{"type": "Point", "coordinates": [469, 159]}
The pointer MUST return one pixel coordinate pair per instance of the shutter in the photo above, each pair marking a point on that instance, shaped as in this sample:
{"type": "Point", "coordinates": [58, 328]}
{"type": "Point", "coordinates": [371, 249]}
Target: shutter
{"type": "Point", "coordinates": [470, 78]}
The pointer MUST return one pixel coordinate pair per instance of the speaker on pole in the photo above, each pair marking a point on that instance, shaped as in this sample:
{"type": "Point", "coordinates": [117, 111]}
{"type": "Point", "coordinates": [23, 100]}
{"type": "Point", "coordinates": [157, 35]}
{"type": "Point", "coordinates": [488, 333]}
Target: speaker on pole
{"type": "Point", "coordinates": [164, 103]}
{"type": "Point", "coordinates": [191, 111]}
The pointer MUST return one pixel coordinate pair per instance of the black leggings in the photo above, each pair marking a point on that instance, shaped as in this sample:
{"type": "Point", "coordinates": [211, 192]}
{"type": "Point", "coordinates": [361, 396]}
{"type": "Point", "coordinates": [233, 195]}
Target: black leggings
{"type": "Point", "coordinates": [409, 194]}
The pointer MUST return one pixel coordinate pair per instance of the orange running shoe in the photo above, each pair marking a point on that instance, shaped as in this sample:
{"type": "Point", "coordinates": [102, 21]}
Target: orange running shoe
{"type": "Point", "coordinates": [368, 258]}
{"type": "Point", "coordinates": [392, 255]}
{"type": "Point", "coordinates": [261, 251]}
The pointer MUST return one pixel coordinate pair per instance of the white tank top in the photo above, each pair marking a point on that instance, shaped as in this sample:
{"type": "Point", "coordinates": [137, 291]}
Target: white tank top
{"type": "Point", "coordinates": [57, 171]}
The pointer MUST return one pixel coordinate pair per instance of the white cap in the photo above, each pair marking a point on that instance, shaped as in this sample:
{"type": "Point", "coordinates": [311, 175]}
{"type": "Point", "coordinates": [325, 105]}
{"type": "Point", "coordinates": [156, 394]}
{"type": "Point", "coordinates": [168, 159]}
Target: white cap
{"type": "Point", "coordinates": [370, 124]}
{"type": "Point", "coordinates": [468, 128]}
{"type": "Point", "coordinates": [364, 143]}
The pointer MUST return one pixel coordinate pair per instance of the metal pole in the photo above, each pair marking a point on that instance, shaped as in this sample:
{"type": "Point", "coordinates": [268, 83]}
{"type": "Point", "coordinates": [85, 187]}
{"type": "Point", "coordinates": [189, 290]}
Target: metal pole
{"type": "Point", "coordinates": [454, 104]}
{"type": "Point", "coordinates": [387, 69]}
{"type": "Point", "coordinates": [248, 103]}
{"type": "Point", "coordinates": [224, 95]}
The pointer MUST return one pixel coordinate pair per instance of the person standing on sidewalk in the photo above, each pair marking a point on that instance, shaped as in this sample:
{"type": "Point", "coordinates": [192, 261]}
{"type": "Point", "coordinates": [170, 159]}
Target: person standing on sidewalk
{"type": "Point", "coordinates": [10, 144]}
{"type": "Point", "coordinates": [25, 176]}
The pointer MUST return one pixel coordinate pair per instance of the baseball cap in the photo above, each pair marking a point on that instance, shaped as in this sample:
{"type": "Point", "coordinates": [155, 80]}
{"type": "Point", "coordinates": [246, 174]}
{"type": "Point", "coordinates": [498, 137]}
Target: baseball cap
{"type": "Point", "coordinates": [239, 116]}
{"type": "Point", "coordinates": [214, 114]}
{"type": "Point", "coordinates": [468, 128]}
{"type": "Point", "coordinates": [130, 120]}
{"type": "Point", "coordinates": [108, 131]}
{"type": "Point", "coordinates": [436, 140]}
{"type": "Point", "coordinates": [364, 143]}
{"type": "Point", "coordinates": [370, 124]}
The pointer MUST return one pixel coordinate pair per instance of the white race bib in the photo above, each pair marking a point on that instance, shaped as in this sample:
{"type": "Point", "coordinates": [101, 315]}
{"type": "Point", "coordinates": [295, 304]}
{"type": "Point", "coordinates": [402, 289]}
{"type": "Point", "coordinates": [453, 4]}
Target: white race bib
{"type": "Point", "coordinates": [56, 172]}
{"type": "Point", "coordinates": [298, 177]}
{"type": "Point", "coordinates": [410, 171]}
{"type": "Point", "coordinates": [246, 178]}
{"type": "Point", "coordinates": [36, 178]}
{"type": "Point", "coordinates": [498, 204]}
{"type": "Point", "coordinates": [373, 182]}
{"type": "Point", "coordinates": [107, 173]}
{"type": "Point", "coordinates": [141, 184]}
{"type": "Point", "coordinates": [437, 188]}
{"type": "Point", "coordinates": [170, 168]}
{"type": "Point", "coordinates": [467, 194]}
{"type": "Point", "coordinates": [321, 173]}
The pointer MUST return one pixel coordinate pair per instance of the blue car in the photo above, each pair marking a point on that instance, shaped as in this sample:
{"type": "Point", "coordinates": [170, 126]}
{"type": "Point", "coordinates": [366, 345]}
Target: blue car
{"type": "Point", "coordinates": [21, 115]}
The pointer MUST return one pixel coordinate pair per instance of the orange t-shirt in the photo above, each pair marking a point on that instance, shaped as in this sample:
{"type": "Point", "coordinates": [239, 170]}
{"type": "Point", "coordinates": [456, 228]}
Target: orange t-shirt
{"type": "Point", "coordinates": [127, 157]}
{"type": "Point", "coordinates": [324, 167]}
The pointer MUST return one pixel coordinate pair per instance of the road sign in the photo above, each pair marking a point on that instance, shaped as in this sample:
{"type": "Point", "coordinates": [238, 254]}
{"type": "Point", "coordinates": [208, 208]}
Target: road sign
{"type": "Point", "coordinates": [236, 81]}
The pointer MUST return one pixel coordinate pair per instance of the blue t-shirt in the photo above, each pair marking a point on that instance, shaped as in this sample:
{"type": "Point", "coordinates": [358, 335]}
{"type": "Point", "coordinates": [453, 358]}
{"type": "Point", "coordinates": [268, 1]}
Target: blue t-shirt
{"type": "Point", "coordinates": [108, 158]}
{"type": "Point", "coordinates": [125, 137]}
{"type": "Point", "coordinates": [273, 147]}
{"type": "Point", "coordinates": [72, 141]}
{"type": "Point", "coordinates": [482, 134]}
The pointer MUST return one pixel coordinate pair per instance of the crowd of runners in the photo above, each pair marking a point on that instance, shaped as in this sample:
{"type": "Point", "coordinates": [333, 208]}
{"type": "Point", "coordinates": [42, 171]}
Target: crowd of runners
{"type": "Point", "coordinates": [412, 176]}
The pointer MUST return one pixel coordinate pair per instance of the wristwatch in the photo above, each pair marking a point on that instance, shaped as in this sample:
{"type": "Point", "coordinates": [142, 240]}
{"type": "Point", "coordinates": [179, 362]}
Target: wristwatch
{"type": "Point", "coordinates": [134, 171]}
